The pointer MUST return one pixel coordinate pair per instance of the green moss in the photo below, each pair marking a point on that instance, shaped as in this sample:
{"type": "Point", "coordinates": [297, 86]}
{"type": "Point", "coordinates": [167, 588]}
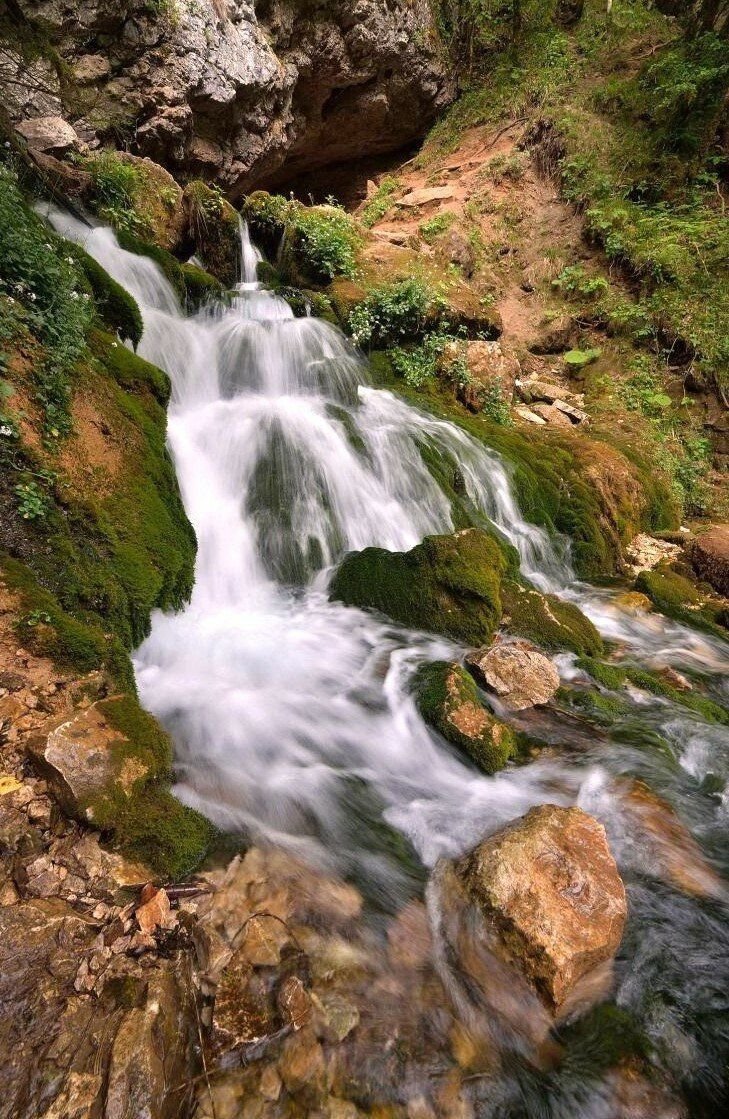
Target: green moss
{"type": "Point", "coordinates": [547, 620]}
{"type": "Point", "coordinates": [313, 244]}
{"type": "Point", "coordinates": [171, 268]}
{"type": "Point", "coordinates": [200, 286]}
{"type": "Point", "coordinates": [615, 677]}
{"type": "Point", "coordinates": [678, 598]}
{"type": "Point", "coordinates": [128, 369]}
{"type": "Point", "coordinates": [117, 309]}
{"type": "Point", "coordinates": [143, 817]}
{"type": "Point", "coordinates": [448, 700]}
{"type": "Point", "coordinates": [447, 584]}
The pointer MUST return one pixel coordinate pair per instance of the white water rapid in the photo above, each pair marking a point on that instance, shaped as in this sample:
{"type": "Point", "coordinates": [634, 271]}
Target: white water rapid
{"type": "Point", "coordinates": [290, 715]}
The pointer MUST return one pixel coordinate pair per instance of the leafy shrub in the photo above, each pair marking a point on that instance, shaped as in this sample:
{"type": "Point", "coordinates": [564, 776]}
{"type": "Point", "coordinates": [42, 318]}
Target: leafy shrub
{"type": "Point", "coordinates": [116, 187]}
{"type": "Point", "coordinates": [33, 503]}
{"type": "Point", "coordinates": [420, 363]}
{"type": "Point", "coordinates": [436, 226]}
{"type": "Point", "coordinates": [393, 312]}
{"type": "Point", "coordinates": [326, 238]}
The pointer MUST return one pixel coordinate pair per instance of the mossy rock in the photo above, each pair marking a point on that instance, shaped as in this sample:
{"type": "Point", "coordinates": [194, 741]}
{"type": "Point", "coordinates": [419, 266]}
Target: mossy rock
{"type": "Point", "coordinates": [171, 268]}
{"type": "Point", "coordinates": [547, 620]}
{"type": "Point", "coordinates": [448, 700]}
{"type": "Point", "coordinates": [616, 677]}
{"type": "Point", "coordinates": [266, 215]}
{"type": "Point", "coordinates": [129, 370]}
{"type": "Point", "coordinates": [200, 286]}
{"type": "Point", "coordinates": [110, 766]}
{"type": "Point", "coordinates": [677, 597]}
{"type": "Point", "coordinates": [214, 228]}
{"type": "Point", "coordinates": [136, 194]}
{"type": "Point", "coordinates": [447, 584]}
{"type": "Point", "coordinates": [117, 309]}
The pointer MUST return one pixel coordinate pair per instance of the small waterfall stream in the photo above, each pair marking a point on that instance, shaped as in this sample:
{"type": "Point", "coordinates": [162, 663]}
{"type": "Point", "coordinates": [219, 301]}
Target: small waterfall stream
{"type": "Point", "coordinates": [291, 715]}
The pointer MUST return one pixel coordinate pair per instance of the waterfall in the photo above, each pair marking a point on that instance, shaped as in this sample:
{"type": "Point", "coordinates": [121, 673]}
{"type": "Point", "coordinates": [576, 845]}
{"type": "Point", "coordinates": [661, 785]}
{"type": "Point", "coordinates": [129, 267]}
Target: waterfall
{"type": "Point", "coordinates": [291, 715]}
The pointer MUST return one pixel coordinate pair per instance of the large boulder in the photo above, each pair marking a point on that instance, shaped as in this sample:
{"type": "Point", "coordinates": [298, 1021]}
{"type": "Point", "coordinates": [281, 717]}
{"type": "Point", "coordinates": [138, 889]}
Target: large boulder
{"type": "Point", "coordinates": [710, 557]}
{"type": "Point", "coordinates": [492, 372]}
{"type": "Point", "coordinates": [551, 896]}
{"type": "Point", "coordinates": [517, 672]}
{"type": "Point", "coordinates": [50, 134]}
{"type": "Point", "coordinates": [447, 584]}
{"type": "Point", "coordinates": [233, 91]}
{"type": "Point", "coordinates": [447, 699]}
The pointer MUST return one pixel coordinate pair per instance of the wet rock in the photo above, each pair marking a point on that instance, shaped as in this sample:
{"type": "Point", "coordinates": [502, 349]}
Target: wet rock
{"type": "Point", "coordinates": [653, 829]}
{"type": "Point", "coordinates": [447, 584]}
{"type": "Point", "coordinates": [633, 602]}
{"type": "Point", "coordinates": [152, 1056]}
{"type": "Point", "coordinates": [245, 1009]}
{"type": "Point", "coordinates": [49, 134]}
{"type": "Point", "coordinates": [301, 1063]}
{"type": "Point", "coordinates": [549, 890]}
{"type": "Point", "coordinates": [710, 556]}
{"type": "Point", "coordinates": [155, 913]}
{"type": "Point", "coordinates": [448, 700]}
{"type": "Point", "coordinates": [519, 674]}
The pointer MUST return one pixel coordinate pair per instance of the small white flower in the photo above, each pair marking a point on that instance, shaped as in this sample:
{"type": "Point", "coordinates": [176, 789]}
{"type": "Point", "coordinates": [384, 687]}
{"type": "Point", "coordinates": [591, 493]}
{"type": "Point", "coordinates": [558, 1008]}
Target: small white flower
{"type": "Point", "coordinates": [48, 246]}
{"type": "Point", "coordinates": [32, 297]}
{"type": "Point", "coordinates": [5, 430]}
{"type": "Point", "coordinates": [114, 344]}
{"type": "Point", "coordinates": [74, 295]}
{"type": "Point", "coordinates": [6, 144]}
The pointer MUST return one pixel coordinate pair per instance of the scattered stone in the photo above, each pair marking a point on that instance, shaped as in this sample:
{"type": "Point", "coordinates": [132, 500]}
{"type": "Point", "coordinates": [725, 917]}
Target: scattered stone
{"type": "Point", "coordinates": [574, 414]}
{"type": "Point", "coordinates": [519, 674]}
{"type": "Point", "coordinates": [634, 602]}
{"type": "Point", "coordinates": [49, 134]}
{"type": "Point", "coordinates": [340, 1016]}
{"type": "Point", "coordinates": [552, 415]}
{"type": "Point", "coordinates": [528, 415]}
{"type": "Point", "coordinates": [551, 894]}
{"type": "Point", "coordinates": [155, 913]}
{"type": "Point", "coordinates": [244, 1010]}
{"type": "Point", "coordinates": [448, 700]}
{"type": "Point", "coordinates": [425, 195]}
{"type": "Point", "coordinates": [302, 1061]}
{"type": "Point", "coordinates": [710, 556]}
{"type": "Point", "coordinates": [270, 1084]}
{"type": "Point", "coordinates": [294, 1003]}
{"type": "Point", "coordinates": [646, 552]}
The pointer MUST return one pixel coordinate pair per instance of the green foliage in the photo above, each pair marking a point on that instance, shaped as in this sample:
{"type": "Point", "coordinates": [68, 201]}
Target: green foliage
{"type": "Point", "coordinates": [117, 186]}
{"type": "Point", "coordinates": [394, 312]}
{"type": "Point", "coordinates": [436, 226]}
{"type": "Point", "coordinates": [45, 294]}
{"type": "Point", "coordinates": [33, 502]}
{"type": "Point", "coordinates": [214, 227]}
{"type": "Point", "coordinates": [677, 597]}
{"type": "Point", "coordinates": [418, 364]}
{"type": "Point", "coordinates": [495, 406]}
{"type": "Point", "coordinates": [200, 286]}
{"type": "Point", "coordinates": [444, 690]}
{"type": "Point", "coordinates": [325, 242]}
{"type": "Point", "coordinates": [575, 282]}
{"type": "Point", "coordinates": [615, 677]}
{"type": "Point", "coordinates": [682, 90]}
{"type": "Point", "coordinates": [578, 359]}
{"type": "Point", "coordinates": [447, 584]}
{"type": "Point", "coordinates": [377, 206]}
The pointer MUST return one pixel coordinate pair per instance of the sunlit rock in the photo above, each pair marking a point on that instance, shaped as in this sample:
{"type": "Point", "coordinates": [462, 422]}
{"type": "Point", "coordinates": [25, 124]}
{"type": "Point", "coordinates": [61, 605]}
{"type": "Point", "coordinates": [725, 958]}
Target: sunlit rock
{"type": "Point", "coordinates": [516, 672]}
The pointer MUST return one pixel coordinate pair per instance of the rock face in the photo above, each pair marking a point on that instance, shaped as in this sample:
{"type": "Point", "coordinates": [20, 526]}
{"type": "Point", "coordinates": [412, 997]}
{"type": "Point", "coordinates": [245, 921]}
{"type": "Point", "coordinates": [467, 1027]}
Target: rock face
{"type": "Point", "coordinates": [491, 370]}
{"type": "Point", "coordinates": [447, 584]}
{"type": "Point", "coordinates": [551, 894]}
{"type": "Point", "coordinates": [231, 91]}
{"type": "Point", "coordinates": [517, 672]}
{"type": "Point", "coordinates": [710, 557]}
{"type": "Point", "coordinates": [448, 700]}
{"type": "Point", "coordinates": [49, 134]}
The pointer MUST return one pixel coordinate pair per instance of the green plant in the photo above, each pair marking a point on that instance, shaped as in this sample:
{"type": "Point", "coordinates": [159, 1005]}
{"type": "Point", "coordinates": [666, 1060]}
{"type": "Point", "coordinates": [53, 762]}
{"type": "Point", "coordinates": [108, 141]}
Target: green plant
{"type": "Point", "coordinates": [393, 312]}
{"type": "Point", "coordinates": [494, 405]}
{"type": "Point", "coordinates": [33, 503]}
{"type": "Point", "coordinates": [433, 228]}
{"type": "Point", "coordinates": [116, 185]}
{"type": "Point", "coordinates": [377, 206]}
{"type": "Point", "coordinates": [326, 238]}
{"type": "Point", "coordinates": [576, 283]}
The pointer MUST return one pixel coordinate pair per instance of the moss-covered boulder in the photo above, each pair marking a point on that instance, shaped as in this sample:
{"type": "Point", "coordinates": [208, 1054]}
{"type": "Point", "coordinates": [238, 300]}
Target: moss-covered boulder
{"type": "Point", "coordinates": [678, 597]}
{"type": "Point", "coordinates": [137, 195]}
{"type": "Point", "coordinates": [109, 766]}
{"type": "Point", "coordinates": [200, 286]}
{"type": "Point", "coordinates": [447, 584]}
{"type": "Point", "coordinates": [213, 227]}
{"type": "Point", "coordinates": [548, 621]}
{"type": "Point", "coordinates": [170, 267]}
{"type": "Point", "coordinates": [447, 698]}
{"type": "Point", "coordinates": [117, 309]}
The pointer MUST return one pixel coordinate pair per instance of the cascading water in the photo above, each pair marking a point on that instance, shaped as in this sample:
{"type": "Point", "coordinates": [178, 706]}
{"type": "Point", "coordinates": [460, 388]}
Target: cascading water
{"type": "Point", "coordinates": [291, 715]}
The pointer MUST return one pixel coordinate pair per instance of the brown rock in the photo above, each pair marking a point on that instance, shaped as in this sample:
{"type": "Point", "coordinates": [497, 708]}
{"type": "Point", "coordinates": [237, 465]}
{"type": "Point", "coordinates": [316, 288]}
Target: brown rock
{"type": "Point", "coordinates": [80, 758]}
{"type": "Point", "coordinates": [155, 913]}
{"type": "Point", "coordinates": [302, 1061]}
{"type": "Point", "coordinates": [294, 1003]}
{"type": "Point", "coordinates": [91, 68]}
{"type": "Point", "coordinates": [49, 134]}
{"type": "Point", "coordinates": [552, 415]}
{"type": "Point", "coordinates": [551, 893]}
{"type": "Point", "coordinates": [245, 1010]}
{"type": "Point", "coordinates": [425, 195]}
{"type": "Point", "coordinates": [646, 552]}
{"type": "Point", "coordinates": [634, 602]}
{"type": "Point", "coordinates": [710, 557]}
{"type": "Point", "coordinates": [555, 336]}
{"type": "Point", "coordinates": [519, 674]}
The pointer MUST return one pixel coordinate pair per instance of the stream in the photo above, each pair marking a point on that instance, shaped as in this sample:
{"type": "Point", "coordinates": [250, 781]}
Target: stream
{"type": "Point", "coordinates": [291, 715]}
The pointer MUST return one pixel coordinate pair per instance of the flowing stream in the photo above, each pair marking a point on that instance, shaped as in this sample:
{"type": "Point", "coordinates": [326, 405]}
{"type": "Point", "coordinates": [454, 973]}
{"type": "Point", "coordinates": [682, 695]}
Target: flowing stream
{"type": "Point", "coordinates": [291, 715]}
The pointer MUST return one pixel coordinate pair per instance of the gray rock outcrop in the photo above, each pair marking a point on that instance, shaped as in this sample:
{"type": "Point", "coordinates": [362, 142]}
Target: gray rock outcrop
{"type": "Point", "coordinates": [220, 89]}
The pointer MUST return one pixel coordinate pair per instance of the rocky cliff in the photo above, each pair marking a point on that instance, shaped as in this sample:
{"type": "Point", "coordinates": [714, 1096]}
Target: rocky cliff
{"type": "Point", "coordinates": [229, 89]}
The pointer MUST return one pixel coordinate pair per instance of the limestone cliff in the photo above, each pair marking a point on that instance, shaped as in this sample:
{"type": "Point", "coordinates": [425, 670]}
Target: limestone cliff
{"type": "Point", "coordinates": [234, 90]}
